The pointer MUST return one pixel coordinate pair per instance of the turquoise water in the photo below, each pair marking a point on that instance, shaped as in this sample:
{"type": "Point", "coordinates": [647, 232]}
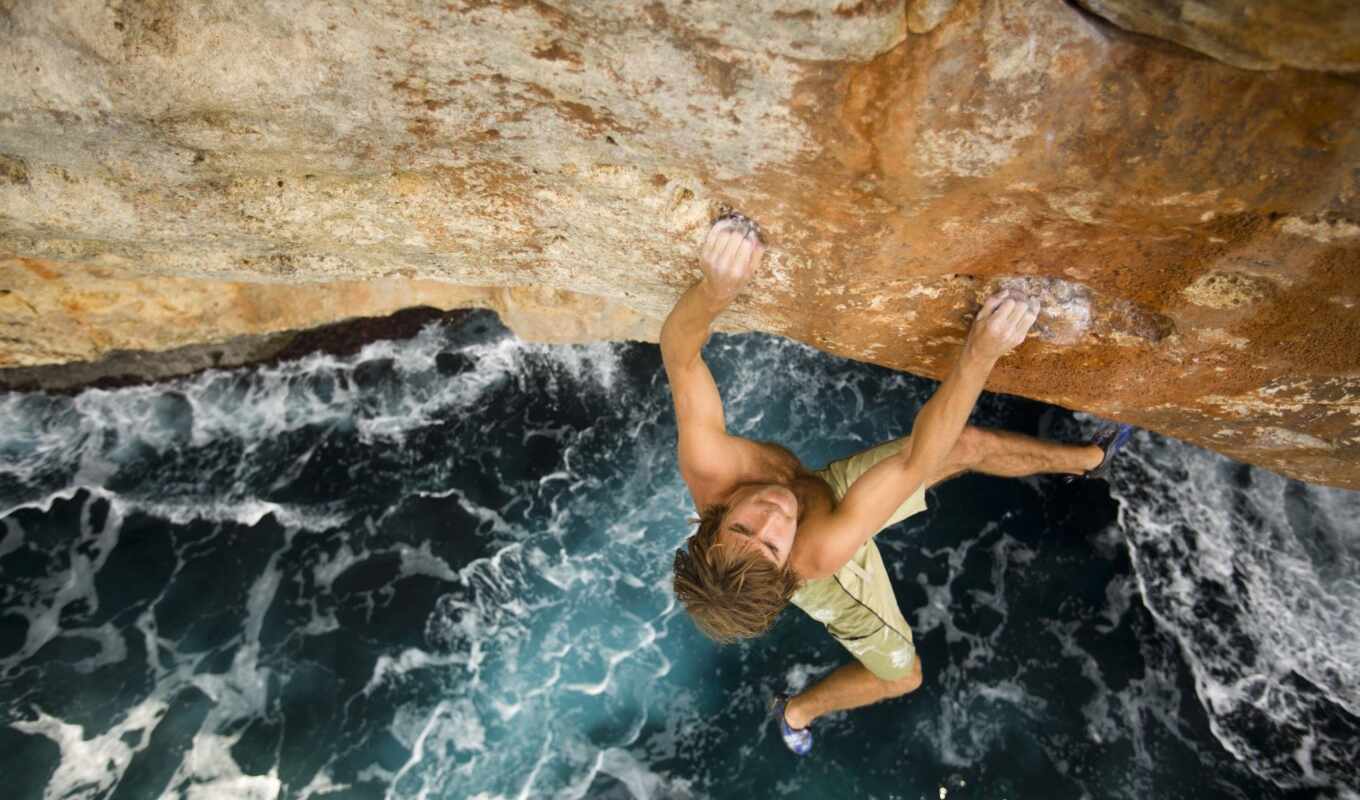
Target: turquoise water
{"type": "Point", "coordinates": [440, 568]}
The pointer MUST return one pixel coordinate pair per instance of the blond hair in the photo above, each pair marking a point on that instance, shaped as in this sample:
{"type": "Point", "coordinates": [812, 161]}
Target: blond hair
{"type": "Point", "coordinates": [730, 592]}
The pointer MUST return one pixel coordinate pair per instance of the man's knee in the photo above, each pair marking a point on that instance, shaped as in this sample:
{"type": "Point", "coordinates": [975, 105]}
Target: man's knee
{"type": "Point", "coordinates": [969, 450]}
{"type": "Point", "coordinates": [972, 445]}
{"type": "Point", "coordinates": [907, 683]}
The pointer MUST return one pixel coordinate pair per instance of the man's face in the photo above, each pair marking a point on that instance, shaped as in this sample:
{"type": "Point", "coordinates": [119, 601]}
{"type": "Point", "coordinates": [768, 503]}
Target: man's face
{"type": "Point", "coordinates": [763, 517]}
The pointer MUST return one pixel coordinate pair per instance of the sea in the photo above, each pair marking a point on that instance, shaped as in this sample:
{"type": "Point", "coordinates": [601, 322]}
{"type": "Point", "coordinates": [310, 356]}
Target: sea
{"type": "Point", "coordinates": [440, 568]}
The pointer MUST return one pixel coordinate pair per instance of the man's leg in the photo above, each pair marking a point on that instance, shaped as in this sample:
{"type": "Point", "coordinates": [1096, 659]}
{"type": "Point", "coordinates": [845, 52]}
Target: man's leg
{"type": "Point", "coordinates": [849, 686]}
{"type": "Point", "coordinates": [990, 451]}
{"type": "Point", "coordinates": [1012, 455]}
{"type": "Point", "coordinates": [986, 450]}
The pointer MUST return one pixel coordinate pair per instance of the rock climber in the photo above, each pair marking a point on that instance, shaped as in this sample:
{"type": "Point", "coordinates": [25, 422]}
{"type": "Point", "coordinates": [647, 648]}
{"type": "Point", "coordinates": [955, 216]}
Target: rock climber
{"type": "Point", "coordinates": [773, 532]}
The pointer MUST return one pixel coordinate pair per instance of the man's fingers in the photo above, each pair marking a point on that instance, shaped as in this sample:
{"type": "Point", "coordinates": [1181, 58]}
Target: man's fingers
{"type": "Point", "coordinates": [1000, 313]}
{"type": "Point", "coordinates": [727, 249]}
{"type": "Point", "coordinates": [1028, 314]}
{"type": "Point", "coordinates": [989, 305]}
{"type": "Point", "coordinates": [756, 256]}
{"type": "Point", "coordinates": [1006, 318]}
{"type": "Point", "coordinates": [1015, 318]}
{"type": "Point", "coordinates": [1022, 327]}
{"type": "Point", "coordinates": [744, 250]}
{"type": "Point", "coordinates": [711, 241]}
{"type": "Point", "coordinates": [715, 248]}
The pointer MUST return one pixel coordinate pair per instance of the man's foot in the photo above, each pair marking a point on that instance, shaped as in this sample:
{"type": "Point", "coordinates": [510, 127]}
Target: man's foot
{"type": "Point", "coordinates": [1110, 439]}
{"type": "Point", "coordinates": [799, 740]}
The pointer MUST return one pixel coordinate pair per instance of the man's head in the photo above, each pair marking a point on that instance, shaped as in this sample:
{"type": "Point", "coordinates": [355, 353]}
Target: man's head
{"type": "Point", "coordinates": [733, 577]}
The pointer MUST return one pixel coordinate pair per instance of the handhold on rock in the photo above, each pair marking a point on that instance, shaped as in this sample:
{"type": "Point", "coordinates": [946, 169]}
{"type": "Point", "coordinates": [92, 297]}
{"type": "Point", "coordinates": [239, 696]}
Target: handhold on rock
{"type": "Point", "coordinates": [742, 223]}
{"type": "Point", "coordinates": [1064, 306]}
{"type": "Point", "coordinates": [1070, 312]}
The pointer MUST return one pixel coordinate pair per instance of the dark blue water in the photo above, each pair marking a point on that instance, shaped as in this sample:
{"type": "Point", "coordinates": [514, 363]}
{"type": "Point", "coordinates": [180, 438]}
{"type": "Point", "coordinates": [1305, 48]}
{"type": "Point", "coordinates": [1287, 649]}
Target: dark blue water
{"type": "Point", "coordinates": [440, 568]}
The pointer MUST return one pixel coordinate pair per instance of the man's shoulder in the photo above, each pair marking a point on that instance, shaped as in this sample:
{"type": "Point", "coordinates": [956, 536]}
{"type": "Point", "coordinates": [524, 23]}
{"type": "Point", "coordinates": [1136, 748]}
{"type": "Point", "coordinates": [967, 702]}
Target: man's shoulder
{"type": "Point", "coordinates": [745, 461]}
{"type": "Point", "coordinates": [775, 462]}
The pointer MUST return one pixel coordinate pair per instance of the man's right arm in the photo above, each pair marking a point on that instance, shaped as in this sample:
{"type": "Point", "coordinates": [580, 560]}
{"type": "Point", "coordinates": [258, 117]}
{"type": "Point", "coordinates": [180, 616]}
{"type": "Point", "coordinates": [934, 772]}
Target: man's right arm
{"type": "Point", "coordinates": [710, 458]}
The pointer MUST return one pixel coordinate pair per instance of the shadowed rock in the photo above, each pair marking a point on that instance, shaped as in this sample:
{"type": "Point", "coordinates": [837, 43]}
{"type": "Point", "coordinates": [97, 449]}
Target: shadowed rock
{"type": "Point", "coordinates": [1261, 34]}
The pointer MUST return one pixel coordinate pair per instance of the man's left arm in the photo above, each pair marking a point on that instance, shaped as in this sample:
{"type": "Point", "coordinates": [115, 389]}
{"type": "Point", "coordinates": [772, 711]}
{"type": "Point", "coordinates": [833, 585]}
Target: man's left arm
{"type": "Point", "coordinates": [879, 492]}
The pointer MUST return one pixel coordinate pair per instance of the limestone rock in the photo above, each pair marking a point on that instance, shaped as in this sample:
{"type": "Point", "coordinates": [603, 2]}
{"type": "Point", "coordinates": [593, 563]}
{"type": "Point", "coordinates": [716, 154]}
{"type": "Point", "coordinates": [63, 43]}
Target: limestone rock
{"type": "Point", "coordinates": [1259, 34]}
{"type": "Point", "coordinates": [185, 171]}
{"type": "Point", "coordinates": [52, 312]}
{"type": "Point", "coordinates": [924, 15]}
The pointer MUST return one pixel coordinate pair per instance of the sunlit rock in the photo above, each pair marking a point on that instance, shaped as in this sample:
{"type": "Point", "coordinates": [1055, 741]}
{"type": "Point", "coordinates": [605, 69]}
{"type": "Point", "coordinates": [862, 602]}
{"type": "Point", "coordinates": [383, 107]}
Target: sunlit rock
{"type": "Point", "coordinates": [180, 172]}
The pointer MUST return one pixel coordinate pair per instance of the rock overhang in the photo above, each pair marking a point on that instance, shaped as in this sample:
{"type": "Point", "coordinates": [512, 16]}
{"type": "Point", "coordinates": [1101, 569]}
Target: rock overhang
{"type": "Point", "coordinates": [171, 173]}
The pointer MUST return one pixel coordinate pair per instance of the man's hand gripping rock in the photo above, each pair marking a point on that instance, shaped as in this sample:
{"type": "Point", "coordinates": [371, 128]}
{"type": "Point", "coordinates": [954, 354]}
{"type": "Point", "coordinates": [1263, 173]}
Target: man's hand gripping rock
{"type": "Point", "coordinates": [1002, 323]}
{"type": "Point", "coordinates": [730, 256]}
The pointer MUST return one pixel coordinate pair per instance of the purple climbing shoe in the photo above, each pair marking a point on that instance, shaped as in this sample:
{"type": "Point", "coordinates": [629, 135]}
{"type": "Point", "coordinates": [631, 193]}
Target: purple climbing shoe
{"type": "Point", "coordinates": [1110, 439]}
{"type": "Point", "coordinates": [799, 740]}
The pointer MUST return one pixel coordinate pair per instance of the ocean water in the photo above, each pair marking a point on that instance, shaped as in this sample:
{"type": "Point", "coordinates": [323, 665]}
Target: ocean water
{"type": "Point", "coordinates": [440, 569]}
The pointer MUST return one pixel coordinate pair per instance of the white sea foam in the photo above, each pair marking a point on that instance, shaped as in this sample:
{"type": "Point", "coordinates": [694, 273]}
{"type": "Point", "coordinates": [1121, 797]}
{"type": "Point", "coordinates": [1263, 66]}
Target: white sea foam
{"type": "Point", "coordinates": [49, 596]}
{"type": "Point", "coordinates": [92, 765]}
{"type": "Point", "coordinates": [322, 783]}
{"type": "Point", "coordinates": [388, 668]}
{"type": "Point", "coordinates": [227, 420]}
{"type": "Point", "coordinates": [1258, 580]}
{"type": "Point", "coordinates": [102, 431]}
{"type": "Point", "coordinates": [329, 567]}
{"type": "Point", "coordinates": [112, 646]}
{"type": "Point", "coordinates": [641, 781]}
{"type": "Point", "coordinates": [208, 772]}
{"type": "Point", "coordinates": [612, 660]}
{"type": "Point", "coordinates": [541, 669]}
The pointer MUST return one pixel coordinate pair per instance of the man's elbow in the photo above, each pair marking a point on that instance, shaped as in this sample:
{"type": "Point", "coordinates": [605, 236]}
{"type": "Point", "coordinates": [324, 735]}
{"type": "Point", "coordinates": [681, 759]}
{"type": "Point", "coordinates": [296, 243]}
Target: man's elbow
{"type": "Point", "coordinates": [676, 360]}
{"type": "Point", "coordinates": [817, 566]}
{"type": "Point", "coordinates": [917, 464]}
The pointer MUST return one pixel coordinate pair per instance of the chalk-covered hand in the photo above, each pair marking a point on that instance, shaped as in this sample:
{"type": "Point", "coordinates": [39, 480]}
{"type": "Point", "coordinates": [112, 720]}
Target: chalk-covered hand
{"type": "Point", "coordinates": [1002, 323]}
{"type": "Point", "coordinates": [730, 256]}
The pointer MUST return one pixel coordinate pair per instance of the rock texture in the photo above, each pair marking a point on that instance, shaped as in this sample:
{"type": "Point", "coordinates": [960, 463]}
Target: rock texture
{"type": "Point", "coordinates": [1258, 34]}
{"type": "Point", "coordinates": [180, 171]}
{"type": "Point", "coordinates": [56, 312]}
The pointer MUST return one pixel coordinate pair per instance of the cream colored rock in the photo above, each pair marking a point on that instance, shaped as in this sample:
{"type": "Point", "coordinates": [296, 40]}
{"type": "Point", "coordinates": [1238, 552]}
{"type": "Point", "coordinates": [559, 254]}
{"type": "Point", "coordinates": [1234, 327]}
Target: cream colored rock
{"type": "Point", "coordinates": [53, 312]}
{"type": "Point", "coordinates": [923, 16]}
{"type": "Point", "coordinates": [181, 171]}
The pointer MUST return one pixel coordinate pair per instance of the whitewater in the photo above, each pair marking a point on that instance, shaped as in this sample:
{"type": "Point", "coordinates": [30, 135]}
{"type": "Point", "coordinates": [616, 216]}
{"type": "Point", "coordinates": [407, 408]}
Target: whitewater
{"type": "Point", "coordinates": [440, 568]}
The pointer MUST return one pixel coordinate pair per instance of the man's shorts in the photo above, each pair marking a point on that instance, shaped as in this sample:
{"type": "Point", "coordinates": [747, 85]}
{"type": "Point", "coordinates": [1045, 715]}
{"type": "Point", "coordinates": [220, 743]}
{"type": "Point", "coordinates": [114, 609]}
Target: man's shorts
{"type": "Point", "coordinates": [856, 604]}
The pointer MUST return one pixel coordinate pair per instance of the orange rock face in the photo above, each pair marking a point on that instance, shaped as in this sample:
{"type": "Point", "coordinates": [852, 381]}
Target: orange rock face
{"type": "Point", "coordinates": [181, 174]}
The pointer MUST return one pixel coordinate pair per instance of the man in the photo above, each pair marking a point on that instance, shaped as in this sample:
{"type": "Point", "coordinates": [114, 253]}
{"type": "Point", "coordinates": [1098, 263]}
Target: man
{"type": "Point", "coordinates": [773, 531]}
